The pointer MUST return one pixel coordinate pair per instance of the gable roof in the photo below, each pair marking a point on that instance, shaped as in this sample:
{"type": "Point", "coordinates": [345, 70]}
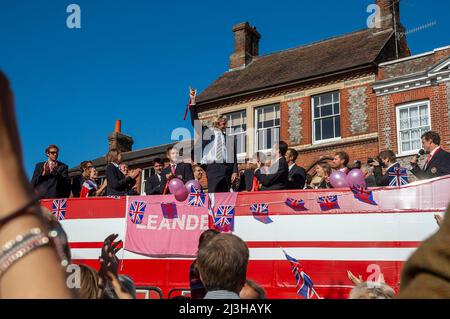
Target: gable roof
{"type": "Point", "coordinates": [356, 49]}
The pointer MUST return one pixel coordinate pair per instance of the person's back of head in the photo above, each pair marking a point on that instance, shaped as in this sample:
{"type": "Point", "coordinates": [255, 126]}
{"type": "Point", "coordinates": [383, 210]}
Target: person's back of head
{"type": "Point", "coordinates": [372, 290]}
{"type": "Point", "coordinates": [252, 290]}
{"type": "Point", "coordinates": [89, 283]}
{"type": "Point", "coordinates": [222, 263]}
{"type": "Point", "coordinates": [206, 236]}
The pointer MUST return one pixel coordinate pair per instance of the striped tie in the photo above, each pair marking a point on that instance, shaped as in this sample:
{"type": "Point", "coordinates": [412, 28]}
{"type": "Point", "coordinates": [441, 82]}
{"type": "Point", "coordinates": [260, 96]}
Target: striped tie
{"type": "Point", "coordinates": [219, 148]}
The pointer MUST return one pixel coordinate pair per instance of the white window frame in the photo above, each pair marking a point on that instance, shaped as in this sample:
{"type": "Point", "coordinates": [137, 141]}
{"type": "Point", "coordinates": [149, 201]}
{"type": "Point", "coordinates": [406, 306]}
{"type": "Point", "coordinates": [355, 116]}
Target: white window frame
{"type": "Point", "coordinates": [397, 115]}
{"type": "Point", "coordinates": [240, 155]}
{"type": "Point", "coordinates": [143, 179]}
{"type": "Point", "coordinates": [256, 126]}
{"type": "Point", "coordinates": [313, 118]}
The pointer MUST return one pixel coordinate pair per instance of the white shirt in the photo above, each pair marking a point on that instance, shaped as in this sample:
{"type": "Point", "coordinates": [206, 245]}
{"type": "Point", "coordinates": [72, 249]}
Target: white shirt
{"type": "Point", "coordinates": [431, 156]}
{"type": "Point", "coordinates": [209, 153]}
{"type": "Point", "coordinates": [290, 166]}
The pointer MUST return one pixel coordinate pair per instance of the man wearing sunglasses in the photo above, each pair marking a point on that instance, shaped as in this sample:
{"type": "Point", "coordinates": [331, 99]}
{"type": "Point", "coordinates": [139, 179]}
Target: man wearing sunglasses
{"type": "Point", "coordinates": [51, 178]}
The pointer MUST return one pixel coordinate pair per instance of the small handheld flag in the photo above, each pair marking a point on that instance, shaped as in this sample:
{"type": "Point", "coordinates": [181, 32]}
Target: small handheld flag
{"type": "Point", "coordinates": [398, 176]}
{"type": "Point", "coordinates": [59, 207]}
{"type": "Point", "coordinates": [261, 213]}
{"type": "Point", "coordinates": [328, 202]}
{"type": "Point", "coordinates": [192, 95]}
{"type": "Point", "coordinates": [136, 211]}
{"type": "Point", "coordinates": [305, 286]}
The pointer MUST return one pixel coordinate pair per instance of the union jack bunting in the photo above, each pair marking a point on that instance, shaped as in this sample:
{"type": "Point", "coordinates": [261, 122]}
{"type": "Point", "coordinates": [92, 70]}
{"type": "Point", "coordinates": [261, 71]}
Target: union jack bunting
{"type": "Point", "coordinates": [196, 197]}
{"type": "Point", "coordinates": [363, 194]}
{"type": "Point", "coordinates": [59, 207]}
{"type": "Point", "coordinates": [398, 176]}
{"type": "Point", "coordinates": [305, 286]}
{"type": "Point", "coordinates": [296, 204]}
{"type": "Point", "coordinates": [224, 218]}
{"type": "Point", "coordinates": [328, 202]}
{"type": "Point", "coordinates": [261, 213]}
{"type": "Point", "coordinates": [169, 210]}
{"type": "Point", "coordinates": [136, 211]}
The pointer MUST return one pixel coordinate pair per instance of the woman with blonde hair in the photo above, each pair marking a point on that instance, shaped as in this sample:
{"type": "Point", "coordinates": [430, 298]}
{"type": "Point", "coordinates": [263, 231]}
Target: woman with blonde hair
{"type": "Point", "coordinates": [89, 283]}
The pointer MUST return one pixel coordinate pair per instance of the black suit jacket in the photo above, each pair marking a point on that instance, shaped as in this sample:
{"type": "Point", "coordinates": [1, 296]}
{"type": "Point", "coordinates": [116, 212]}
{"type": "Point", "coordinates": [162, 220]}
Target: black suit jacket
{"type": "Point", "coordinates": [53, 185]}
{"type": "Point", "coordinates": [297, 177]}
{"type": "Point", "coordinates": [439, 165]}
{"type": "Point", "coordinates": [117, 183]}
{"type": "Point", "coordinates": [274, 180]}
{"type": "Point", "coordinates": [183, 169]}
{"type": "Point", "coordinates": [246, 181]}
{"type": "Point", "coordinates": [153, 185]}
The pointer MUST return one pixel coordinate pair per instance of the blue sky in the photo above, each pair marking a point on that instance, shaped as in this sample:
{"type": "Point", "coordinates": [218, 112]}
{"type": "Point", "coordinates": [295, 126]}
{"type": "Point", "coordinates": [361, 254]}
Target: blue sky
{"type": "Point", "coordinates": [134, 60]}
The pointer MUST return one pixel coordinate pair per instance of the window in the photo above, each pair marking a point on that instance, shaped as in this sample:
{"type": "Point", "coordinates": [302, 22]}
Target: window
{"type": "Point", "coordinates": [412, 121]}
{"type": "Point", "coordinates": [326, 117]}
{"type": "Point", "coordinates": [237, 126]}
{"type": "Point", "coordinates": [146, 173]}
{"type": "Point", "coordinates": [267, 126]}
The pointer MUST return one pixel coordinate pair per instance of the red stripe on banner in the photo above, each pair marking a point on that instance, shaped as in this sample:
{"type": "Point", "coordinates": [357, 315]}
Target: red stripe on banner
{"type": "Point", "coordinates": [332, 244]}
{"type": "Point", "coordinates": [92, 207]}
{"type": "Point", "coordinates": [298, 244]}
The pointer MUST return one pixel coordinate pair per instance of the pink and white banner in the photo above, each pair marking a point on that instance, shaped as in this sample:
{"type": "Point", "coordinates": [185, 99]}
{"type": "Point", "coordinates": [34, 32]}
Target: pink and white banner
{"type": "Point", "coordinates": [160, 226]}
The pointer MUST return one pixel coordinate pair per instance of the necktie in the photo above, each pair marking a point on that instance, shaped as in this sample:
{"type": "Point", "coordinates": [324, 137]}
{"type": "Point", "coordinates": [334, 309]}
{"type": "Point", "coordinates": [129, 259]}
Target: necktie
{"type": "Point", "coordinates": [173, 169]}
{"type": "Point", "coordinates": [219, 148]}
{"type": "Point", "coordinates": [427, 161]}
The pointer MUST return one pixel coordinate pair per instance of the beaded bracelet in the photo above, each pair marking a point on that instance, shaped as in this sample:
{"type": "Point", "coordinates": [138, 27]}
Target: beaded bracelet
{"type": "Point", "coordinates": [21, 246]}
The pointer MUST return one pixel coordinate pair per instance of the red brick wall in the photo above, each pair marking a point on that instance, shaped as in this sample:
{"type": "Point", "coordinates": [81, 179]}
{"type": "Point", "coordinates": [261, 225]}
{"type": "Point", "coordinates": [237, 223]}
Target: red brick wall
{"type": "Point", "coordinates": [437, 95]}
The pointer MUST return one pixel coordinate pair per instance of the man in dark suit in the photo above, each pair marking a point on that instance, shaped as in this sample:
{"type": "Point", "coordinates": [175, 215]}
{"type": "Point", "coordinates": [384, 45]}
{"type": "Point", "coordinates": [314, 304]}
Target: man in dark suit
{"type": "Point", "coordinates": [117, 184]}
{"type": "Point", "coordinates": [51, 178]}
{"type": "Point", "coordinates": [297, 174]}
{"type": "Point", "coordinates": [176, 169]}
{"type": "Point", "coordinates": [277, 174]}
{"type": "Point", "coordinates": [153, 182]}
{"type": "Point", "coordinates": [438, 160]}
{"type": "Point", "coordinates": [219, 155]}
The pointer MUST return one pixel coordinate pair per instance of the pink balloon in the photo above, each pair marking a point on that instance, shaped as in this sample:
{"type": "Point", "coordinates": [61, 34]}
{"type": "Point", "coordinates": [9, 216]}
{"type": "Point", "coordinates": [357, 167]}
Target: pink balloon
{"type": "Point", "coordinates": [175, 185]}
{"type": "Point", "coordinates": [338, 179]}
{"type": "Point", "coordinates": [356, 177]}
{"type": "Point", "coordinates": [193, 183]}
{"type": "Point", "coordinates": [181, 195]}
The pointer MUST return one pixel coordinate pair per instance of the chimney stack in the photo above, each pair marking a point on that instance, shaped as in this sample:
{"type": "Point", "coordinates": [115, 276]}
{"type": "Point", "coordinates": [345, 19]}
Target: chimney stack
{"type": "Point", "coordinates": [118, 140]}
{"type": "Point", "coordinates": [246, 45]}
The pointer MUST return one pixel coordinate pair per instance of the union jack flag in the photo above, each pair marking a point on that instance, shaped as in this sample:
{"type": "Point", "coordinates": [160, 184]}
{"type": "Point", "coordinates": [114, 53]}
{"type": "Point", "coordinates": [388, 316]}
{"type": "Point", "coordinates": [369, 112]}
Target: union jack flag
{"type": "Point", "coordinates": [224, 218]}
{"type": "Point", "coordinates": [305, 286]}
{"type": "Point", "coordinates": [328, 202]}
{"type": "Point", "coordinates": [196, 197]}
{"type": "Point", "coordinates": [398, 176]}
{"type": "Point", "coordinates": [59, 207]}
{"type": "Point", "coordinates": [363, 194]}
{"type": "Point", "coordinates": [261, 213]}
{"type": "Point", "coordinates": [136, 211]}
{"type": "Point", "coordinates": [297, 204]}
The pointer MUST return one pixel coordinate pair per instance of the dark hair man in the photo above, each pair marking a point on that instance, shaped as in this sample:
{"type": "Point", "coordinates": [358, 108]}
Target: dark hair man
{"type": "Point", "coordinates": [198, 290]}
{"type": "Point", "coordinates": [340, 161]}
{"type": "Point", "coordinates": [77, 182]}
{"type": "Point", "coordinates": [297, 174]}
{"type": "Point", "coordinates": [153, 182]}
{"type": "Point", "coordinates": [222, 264]}
{"type": "Point", "coordinates": [437, 162]}
{"type": "Point", "coordinates": [166, 162]}
{"type": "Point", "coordinates": [277, 175]}
{"type": "Point", "coordinates": [252, 290]}
{"type": "Point", "coordinates": [117, 184]}
{"type": "Point", "coordinates": [176, 169]}
{"type": "Point", "coordinates": [388, 160]}
{"type": "Point", "coordinates": [51, 178]}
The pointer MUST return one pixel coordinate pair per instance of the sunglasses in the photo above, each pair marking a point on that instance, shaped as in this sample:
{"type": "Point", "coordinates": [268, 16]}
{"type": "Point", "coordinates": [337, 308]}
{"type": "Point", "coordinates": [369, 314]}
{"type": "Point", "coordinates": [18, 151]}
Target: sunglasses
{"type": "Point", "coordinates": [53, 153]}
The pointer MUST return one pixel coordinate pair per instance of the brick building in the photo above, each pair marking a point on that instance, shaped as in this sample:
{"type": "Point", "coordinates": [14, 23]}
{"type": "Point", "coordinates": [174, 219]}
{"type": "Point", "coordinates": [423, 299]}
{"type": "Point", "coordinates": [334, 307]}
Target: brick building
{"type": "Point", "coordinates": [361, 92]}
{"type": "Point", "coordinates": [318, 97]}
